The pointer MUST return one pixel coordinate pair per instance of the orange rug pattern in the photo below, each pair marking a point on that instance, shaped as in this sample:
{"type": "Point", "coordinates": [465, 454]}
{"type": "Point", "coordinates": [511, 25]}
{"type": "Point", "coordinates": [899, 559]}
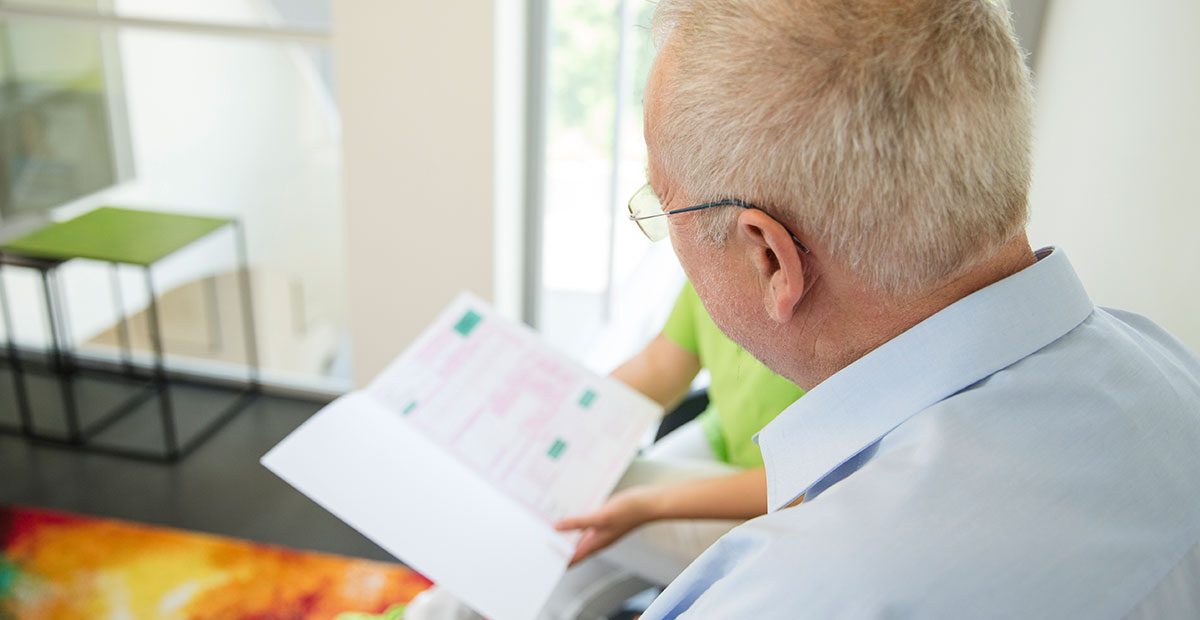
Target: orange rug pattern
{"type": "Point", "coordinates": [59, 565]}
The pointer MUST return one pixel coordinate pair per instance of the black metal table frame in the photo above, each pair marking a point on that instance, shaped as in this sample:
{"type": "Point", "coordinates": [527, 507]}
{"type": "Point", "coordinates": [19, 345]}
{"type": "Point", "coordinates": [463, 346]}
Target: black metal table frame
{"type": "Point", "coordinates": [66, 365]}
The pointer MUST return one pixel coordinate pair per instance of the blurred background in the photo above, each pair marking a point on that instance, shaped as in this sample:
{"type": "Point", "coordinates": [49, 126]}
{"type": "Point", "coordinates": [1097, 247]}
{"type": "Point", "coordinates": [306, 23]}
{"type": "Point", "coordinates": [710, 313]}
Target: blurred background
{"type": "Point", "coordinates": [382, 156]}
{"type": "Point", "coordinates": [512, 134]}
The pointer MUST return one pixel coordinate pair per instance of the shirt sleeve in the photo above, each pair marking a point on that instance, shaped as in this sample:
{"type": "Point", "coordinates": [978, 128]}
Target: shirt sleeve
{"type": "Point", "coordinates": [681, 324]}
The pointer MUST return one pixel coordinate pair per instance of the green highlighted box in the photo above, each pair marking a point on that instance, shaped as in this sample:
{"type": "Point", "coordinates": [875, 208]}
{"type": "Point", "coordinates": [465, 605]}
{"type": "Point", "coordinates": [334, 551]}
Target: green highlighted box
{"type": "Point", "coordinates": [556, 449]}
{"type": "Point", "coordinates": [409, 407]}
{"type": "Point", "coordinates": [468, 322]}
{"type": "Point", "coordinates": [587, 399]}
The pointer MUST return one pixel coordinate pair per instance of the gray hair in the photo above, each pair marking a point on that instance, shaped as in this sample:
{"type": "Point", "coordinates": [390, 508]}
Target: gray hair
{"type": "Point", "coordinates": [896, 132]}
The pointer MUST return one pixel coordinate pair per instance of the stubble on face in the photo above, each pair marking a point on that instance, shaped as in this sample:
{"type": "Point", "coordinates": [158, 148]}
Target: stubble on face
{"type": "Point", "coordinates": [735, 296]}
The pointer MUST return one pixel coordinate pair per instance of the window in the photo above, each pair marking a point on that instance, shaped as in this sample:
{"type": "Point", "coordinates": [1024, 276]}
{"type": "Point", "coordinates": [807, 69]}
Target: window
{"type": "Point", "coordinates": [58, 118]}
{"type": "Point", "coordinates": [604, 287]}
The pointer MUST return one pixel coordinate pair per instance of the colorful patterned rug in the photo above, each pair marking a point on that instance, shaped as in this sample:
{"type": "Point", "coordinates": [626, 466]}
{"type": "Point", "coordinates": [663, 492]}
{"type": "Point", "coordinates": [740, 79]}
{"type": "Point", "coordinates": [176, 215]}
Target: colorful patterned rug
{"type": "Point", "coordinates": [59, 565]}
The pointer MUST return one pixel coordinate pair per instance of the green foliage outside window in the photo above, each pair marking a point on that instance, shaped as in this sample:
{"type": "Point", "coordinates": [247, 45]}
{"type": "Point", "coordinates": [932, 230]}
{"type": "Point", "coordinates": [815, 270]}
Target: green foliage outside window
{"type": "Point", "coordinates": [584, 44]}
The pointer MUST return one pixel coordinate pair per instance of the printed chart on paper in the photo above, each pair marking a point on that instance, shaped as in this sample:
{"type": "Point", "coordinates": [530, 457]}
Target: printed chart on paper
{"type": "Point", "coordinates": [539, 427]}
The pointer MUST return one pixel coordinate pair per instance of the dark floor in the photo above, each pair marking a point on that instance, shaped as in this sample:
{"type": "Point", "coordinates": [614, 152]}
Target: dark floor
{"type": "Point", "coordinates": [220, 488]}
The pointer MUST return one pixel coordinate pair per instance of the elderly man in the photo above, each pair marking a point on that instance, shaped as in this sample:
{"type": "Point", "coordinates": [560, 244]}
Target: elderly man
{"type": "Point", "coordinates": [845, 184]}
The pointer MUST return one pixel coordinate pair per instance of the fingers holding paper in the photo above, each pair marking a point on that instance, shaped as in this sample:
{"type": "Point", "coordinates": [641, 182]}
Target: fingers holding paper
{"type": "Point", "coordinates": [623, 512]}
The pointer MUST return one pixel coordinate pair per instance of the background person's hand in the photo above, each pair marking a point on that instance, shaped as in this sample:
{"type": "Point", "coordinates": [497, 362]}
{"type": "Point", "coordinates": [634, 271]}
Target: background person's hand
{"type": "Point", "coordinates": [623, 512]}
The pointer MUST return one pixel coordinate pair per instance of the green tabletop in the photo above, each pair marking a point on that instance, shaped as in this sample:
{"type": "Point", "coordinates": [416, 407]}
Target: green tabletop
{"type": "Point", "coordinates": [116, 235]}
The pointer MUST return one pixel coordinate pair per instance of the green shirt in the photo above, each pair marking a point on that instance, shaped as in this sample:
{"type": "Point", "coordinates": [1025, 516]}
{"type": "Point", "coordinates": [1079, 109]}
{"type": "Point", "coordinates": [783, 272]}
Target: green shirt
{"type": "Point", "coordinates": [744, 395]}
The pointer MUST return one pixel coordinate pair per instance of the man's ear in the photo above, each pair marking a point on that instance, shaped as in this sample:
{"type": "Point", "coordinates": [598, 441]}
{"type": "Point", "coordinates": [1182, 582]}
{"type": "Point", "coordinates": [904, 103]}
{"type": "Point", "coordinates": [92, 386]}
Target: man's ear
{"type": "Point", "coordinates": [777, 260]}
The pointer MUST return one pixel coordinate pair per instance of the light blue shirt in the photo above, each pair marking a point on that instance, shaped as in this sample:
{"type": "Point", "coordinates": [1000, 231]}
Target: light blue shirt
{"type": "Point", "coordinates": [1020, 454]}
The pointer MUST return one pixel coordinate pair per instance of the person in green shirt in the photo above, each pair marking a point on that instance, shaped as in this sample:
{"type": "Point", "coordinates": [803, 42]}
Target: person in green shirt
{"type": "Point", "coordinates": [744, 395]}
{"type": "Point", "coordinates": [692, 486]}
{"type": "Point", "coordinates": [685, 491]}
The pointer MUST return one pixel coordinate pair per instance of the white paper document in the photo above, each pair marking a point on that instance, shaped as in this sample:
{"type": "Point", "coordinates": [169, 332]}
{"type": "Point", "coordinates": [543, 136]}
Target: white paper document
{"type": "Point", "coordinates": [460, 456]}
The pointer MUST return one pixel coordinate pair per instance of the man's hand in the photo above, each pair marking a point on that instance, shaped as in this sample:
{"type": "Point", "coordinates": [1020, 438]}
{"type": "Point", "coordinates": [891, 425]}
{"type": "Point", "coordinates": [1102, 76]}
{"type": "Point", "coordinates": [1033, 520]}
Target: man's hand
{"type": "Point", "coordinates": [623, 512]}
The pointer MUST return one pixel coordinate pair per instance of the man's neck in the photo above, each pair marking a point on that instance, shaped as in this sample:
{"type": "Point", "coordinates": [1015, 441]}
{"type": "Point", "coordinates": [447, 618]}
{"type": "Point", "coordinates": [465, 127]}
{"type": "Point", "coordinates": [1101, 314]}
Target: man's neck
{"type": "Point", "coordinates": [846, 321]}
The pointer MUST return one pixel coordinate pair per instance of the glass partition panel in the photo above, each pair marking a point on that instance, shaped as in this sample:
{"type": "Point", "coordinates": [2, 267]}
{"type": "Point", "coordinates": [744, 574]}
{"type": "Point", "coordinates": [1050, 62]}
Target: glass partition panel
{"type": "Point", "coordinates": [189, 122]}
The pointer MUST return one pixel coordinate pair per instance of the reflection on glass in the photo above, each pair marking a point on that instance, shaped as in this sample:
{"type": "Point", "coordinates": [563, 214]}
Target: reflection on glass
{"type": "Point", "coordinates": [300, 14]}
{"type": "Point", "coordinates": [57, 133]}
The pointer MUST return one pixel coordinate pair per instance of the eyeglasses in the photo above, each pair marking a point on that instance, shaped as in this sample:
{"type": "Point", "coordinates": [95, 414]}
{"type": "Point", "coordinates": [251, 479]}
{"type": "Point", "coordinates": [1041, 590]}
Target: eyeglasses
{"type": "Point", "coordinates": [646, 210]}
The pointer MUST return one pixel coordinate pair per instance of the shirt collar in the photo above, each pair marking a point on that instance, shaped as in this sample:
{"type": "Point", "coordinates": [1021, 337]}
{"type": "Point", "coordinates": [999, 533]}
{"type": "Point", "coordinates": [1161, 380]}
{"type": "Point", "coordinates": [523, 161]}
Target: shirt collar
{"type": "Point", "coordinates": [963, 343]}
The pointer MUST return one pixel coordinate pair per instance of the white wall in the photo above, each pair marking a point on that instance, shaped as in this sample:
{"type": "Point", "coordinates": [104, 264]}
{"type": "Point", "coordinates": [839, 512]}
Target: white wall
{"type": "Point", "coordinates": [416, 87]}
{"type": "Point", "coordinates": [1117, 159]}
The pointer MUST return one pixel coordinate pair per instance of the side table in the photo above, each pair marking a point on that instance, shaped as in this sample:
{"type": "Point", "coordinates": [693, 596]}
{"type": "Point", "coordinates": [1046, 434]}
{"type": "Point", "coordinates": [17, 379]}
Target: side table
{"type": "Point", "coordinates": [140, 239]}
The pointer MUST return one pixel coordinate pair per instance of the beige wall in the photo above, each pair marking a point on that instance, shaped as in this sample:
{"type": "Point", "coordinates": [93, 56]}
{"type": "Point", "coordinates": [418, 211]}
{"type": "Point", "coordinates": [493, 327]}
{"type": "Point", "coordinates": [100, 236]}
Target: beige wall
{"type": "Point", "coordinates": [415, 83]}
{"type": "Point", "coordinates": [1117, 160]}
